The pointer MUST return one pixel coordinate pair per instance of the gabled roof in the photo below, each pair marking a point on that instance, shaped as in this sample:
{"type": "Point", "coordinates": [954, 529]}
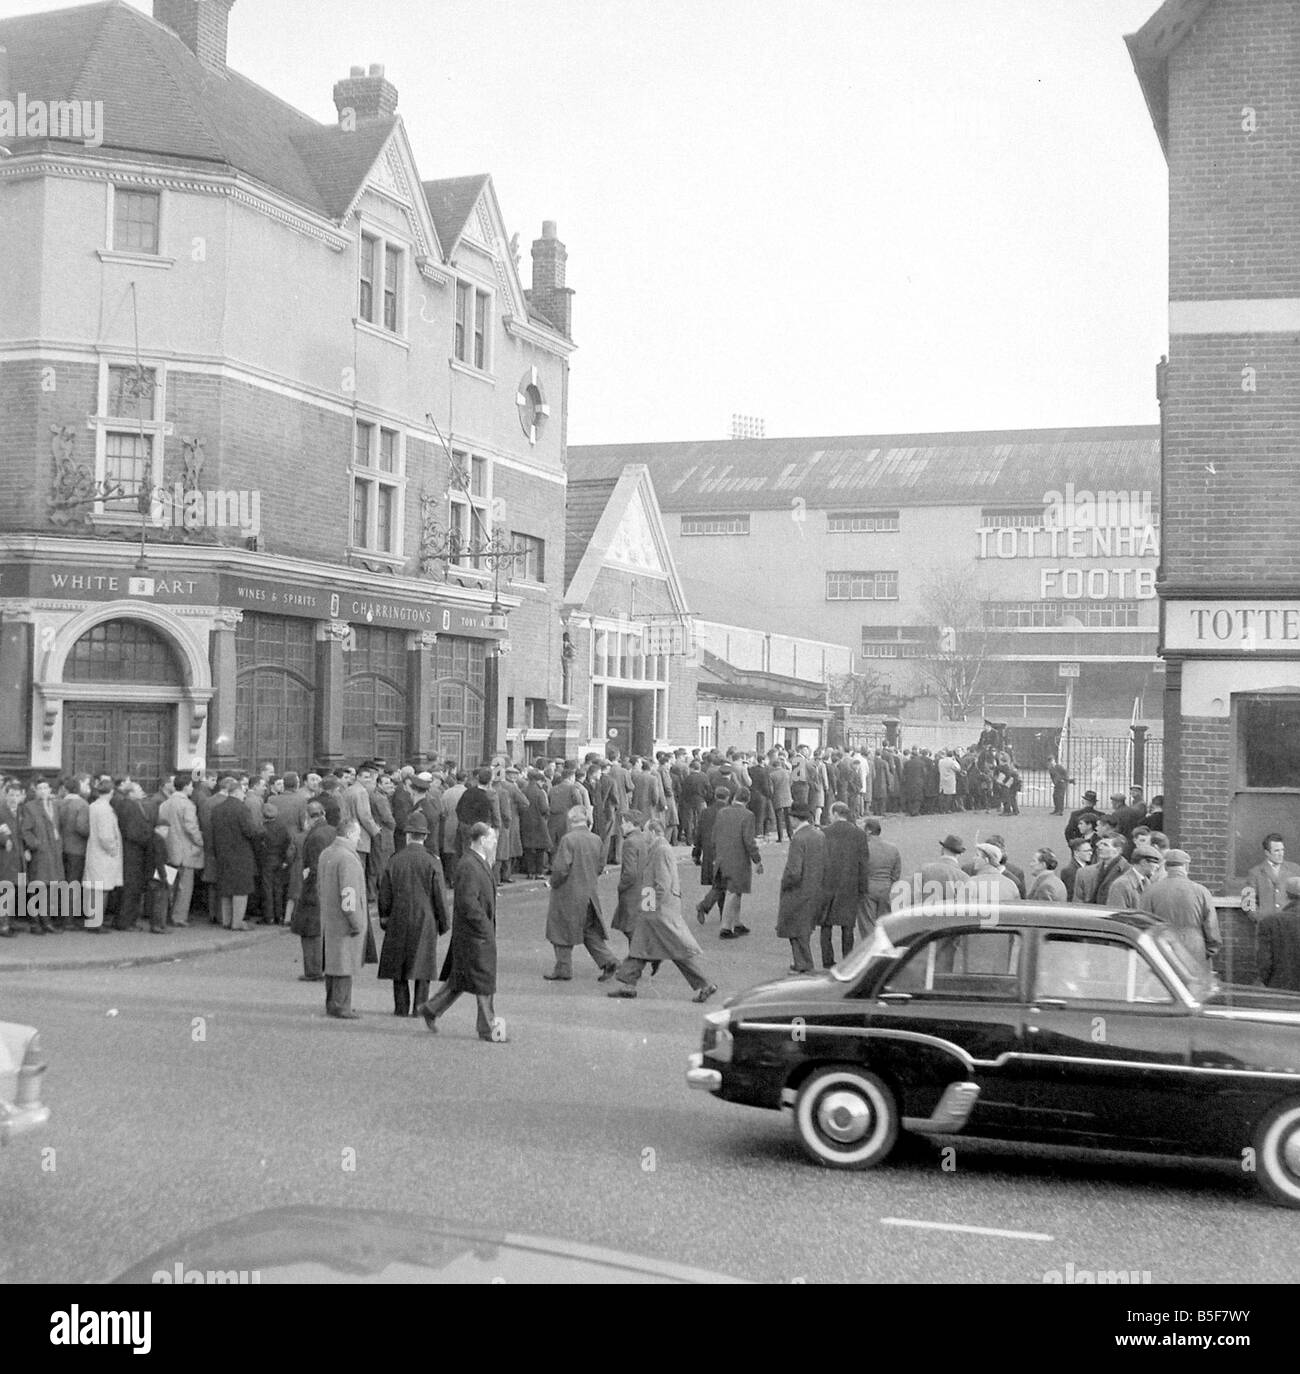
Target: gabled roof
{"type": "Point", "coordinates": [720, 679]}
{"type": "Point", "coordinates": [991, 467]}
{"type": "Point", "coordinates": [161, 103]}
{"type": "Point", "coordinates": [597, 520]}
{"type": "Point", "coordinates": [451, 203]}
{"type": "Point", "coordinates": [1150, 48]}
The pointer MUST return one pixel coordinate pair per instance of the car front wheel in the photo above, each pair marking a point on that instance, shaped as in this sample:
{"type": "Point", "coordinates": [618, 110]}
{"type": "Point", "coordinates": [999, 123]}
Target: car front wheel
{"type": "Point", "coordinates": [1277, 1154]}
{"type": "Point", "coordinates": [846, 1118]}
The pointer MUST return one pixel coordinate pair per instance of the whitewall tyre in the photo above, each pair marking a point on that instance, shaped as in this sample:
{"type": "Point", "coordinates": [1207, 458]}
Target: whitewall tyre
{"type": "Point", "coordinates": [846, 1118]}
{"type": "Point", "coordinates": [1277, 1154]}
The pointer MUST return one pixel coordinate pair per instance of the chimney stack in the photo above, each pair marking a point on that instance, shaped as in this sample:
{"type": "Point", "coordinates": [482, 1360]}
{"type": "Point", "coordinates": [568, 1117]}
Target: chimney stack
{"type": "Point", "coordinates": [360, 98]}
{"type": "Point", "coordinates": [549, 295]}
{"type": "Point", "coordinates": [202, 25]}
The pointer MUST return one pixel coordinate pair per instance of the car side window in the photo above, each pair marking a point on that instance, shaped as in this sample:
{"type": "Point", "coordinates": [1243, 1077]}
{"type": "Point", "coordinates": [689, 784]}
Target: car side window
{"type": "Point", "coordinates": [1081, 968]}
{"type": "Point", "coordinates": [969, 963]}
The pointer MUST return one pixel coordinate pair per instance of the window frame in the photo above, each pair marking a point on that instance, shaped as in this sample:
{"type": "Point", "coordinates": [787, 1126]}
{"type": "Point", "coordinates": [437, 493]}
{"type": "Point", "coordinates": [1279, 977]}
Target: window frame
{"type": "Point", "coordinates": [382, 245]}
{"type": "Point", "coordinates": [718, 520]}
{"type": "Point", "coordinates": [858, 576]}
{"type": "Point", "coordinates": [1135, 953]}
{"type": "Point", "coordinates": [154, 428]}
{"type": "Point", "coordinates": [870, 521]}
{"type": "Point", "coordinates": [368, 475]}
{"type": "Point", "coordinates": [530, 544]}
{"type": "Point", "coordinates": [128, 188]}
{"type": "Point", "coordinates": [463, 504]}
{"type": "Point", "coordinates": [471, 335]}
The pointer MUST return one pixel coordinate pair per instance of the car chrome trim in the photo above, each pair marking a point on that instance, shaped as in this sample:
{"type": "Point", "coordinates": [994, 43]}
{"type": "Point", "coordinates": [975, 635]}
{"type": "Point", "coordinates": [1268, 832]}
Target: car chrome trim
{"type": "Point", "coordinates": [1148, 1064]}
{"type": "Point", "coordinates": [16, 1121]}
{"type": "Point", "coordinates": [785, 1027]}
{"type": "Point", "coordinates": [951, 1112]}
{"type": "Point", "coordinates": [697, 1076]}
{"type": "Point", "coordinates": [1283, 1018]}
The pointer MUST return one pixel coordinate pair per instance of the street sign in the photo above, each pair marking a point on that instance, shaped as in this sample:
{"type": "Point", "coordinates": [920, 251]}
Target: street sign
{"type": "Point", "coordinates": [1067, 670]}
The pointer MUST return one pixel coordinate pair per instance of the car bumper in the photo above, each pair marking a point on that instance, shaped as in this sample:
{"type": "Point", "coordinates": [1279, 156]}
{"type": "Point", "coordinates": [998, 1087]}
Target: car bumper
{"type": "Point", "coordinates": [697, 1076]}
{"type": "Point", "coordinates": [16, 1121]}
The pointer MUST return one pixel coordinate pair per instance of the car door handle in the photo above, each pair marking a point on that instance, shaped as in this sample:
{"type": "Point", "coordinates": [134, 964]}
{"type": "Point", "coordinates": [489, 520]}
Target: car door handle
{"type": "Point", "coordinates": [894, 998]}
{"type": "Point", "coordinates": [1051, 1003]}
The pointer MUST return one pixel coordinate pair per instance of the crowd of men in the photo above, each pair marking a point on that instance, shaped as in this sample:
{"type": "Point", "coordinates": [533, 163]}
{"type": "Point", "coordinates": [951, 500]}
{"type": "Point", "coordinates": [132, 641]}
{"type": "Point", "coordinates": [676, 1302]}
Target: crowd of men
{"type": "Point", "coordinates": [243, 849]}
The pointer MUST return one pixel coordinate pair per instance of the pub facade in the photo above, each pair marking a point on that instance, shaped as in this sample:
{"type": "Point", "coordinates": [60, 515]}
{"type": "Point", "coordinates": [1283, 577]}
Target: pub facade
{"type": "Point", "coordinates": [282, 472]}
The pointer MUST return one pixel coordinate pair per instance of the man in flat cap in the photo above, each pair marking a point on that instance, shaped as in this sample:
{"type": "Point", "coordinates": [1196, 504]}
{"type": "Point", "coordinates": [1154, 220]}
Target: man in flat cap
{"type": "Point", "coordinates": [1126, 891]}
{"type": "Point", "coordinates": [1186, 906]}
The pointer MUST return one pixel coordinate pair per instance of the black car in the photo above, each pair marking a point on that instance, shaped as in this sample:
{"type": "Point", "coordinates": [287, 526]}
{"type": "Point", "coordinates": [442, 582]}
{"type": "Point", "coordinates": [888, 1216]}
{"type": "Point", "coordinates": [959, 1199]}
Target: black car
{"type": "Point", "coordinates": [1056, 1024]}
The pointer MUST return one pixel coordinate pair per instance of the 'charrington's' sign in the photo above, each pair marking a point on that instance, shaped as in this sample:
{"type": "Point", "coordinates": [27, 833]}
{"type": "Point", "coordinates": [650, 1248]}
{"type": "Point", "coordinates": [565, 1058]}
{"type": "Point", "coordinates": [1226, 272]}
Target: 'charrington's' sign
{"type": "Point", "coordinates": [358, 608]}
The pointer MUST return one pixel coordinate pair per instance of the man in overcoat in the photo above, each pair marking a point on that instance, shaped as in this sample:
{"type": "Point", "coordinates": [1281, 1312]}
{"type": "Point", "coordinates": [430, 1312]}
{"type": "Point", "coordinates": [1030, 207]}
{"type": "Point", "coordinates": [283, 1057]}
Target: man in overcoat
{"type": "Point", "coordinates": [1185, 905]}
{"type": "Point", "coordinates": [736, 859]}
{"type": "Point", "coordinates": [471, 962]}
{"type": "Point", "coordinates": [884, 868]}
{"type": "Point", "coordinates": [913, 783]}
{"type": "Point", "coordinates": [533, 832]}
{"type": "Point", "coordinates": [305, 923]}
{"type": "Point", "coordinates": [660, 931]}
{"type": "Point", "coordinates": [412, 914]}
{"type": "Point", "coordinates": [631, 877]}
{"type": "Point", "coordinates": [574, 916]}
{"type": "Point", "coordinates": [233, 836]}
{"type": "Point", "coordinates": [344, 916]}
{"type": "Point", "coordinates": [704, 855]}
{"type": "Point", "coordinates": [41, 840]}
{"type": "Point", "coordinates": [801, 888]}
{"type": "Point", "coordinates": [846, 880]}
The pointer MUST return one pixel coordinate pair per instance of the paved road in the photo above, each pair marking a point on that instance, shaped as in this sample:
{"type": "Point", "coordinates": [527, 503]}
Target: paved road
{"type": "Point", "coordinates": [219, 1088]}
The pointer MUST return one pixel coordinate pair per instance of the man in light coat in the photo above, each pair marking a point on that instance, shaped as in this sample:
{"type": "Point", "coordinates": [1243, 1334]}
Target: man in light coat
{"type": "Point", "coordinates": [1126, 891]}
{"type": "Point", "coordinates": [344, 912]}
{"type": "Point", "coordinates": [1185, 905]}
{"type": "Point", "coordinates": [103, 870]}
{"type": "Point", "coordinates": [184, 844]}
{"type": "Point", "coordinates": [801, 887]}
{"type": "Point", "coordinates": [1046, 884]}
{"type": "Point", "coordinates": [661, 931]}
{"type": "Point", "coordinates": [1266, 882]}
{"type": "Point", "coordinates": [573, 915]}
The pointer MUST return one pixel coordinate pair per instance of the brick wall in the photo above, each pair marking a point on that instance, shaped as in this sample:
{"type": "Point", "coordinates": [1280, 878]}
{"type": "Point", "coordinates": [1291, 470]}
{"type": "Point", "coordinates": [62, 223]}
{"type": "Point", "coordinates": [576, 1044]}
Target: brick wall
{"type": "Point", "coordinates": [1233, 193]}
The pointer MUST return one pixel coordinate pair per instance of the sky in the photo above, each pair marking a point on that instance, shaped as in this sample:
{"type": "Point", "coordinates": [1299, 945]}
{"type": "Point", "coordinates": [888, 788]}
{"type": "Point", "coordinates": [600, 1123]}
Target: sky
{"type": "Point", "coordinates": [840, 216]}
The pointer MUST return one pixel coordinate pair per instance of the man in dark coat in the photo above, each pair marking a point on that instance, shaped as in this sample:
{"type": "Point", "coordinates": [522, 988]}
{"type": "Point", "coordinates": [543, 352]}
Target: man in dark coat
{"type": "Point", "coordinates": [695, 797]}
{"type": "Point", "coordinates": [913, 783]}
{"type": "Point", "coordinates": [703, 854]}
{"type": "Point", "coordinates": [274, 860]}
{"type": "Point", "coordinates": [573, 915]}
{"type": "Point", "coordinates": [604, 804]}
{"type": "Point", "coordinates": [233, 836]}
{"type": "Point", "coordinates": [137, 835]}
{"type": "Point", "coordinates": [306, 914]}
{"type": "Point", "coordinates": [471, 963]}
{"type": "Point", "coordinates": [1088, 811]}
{"type": "Point", "coordinates": [846, 879]}
{"type": "Point", "coordinates": [533, 833]}
{"type": "Point", "coordinates": [477, 803]}
{"type": "Point", "coordinates": [562, 798]}
{"type": "Point", "coordinates": [884, 869]}
{"type": "Point", "coordinates": [801, 888]}
{"type": "Point", "coordinates": [1277, 943]}
{"type": "Point", "coordinates": [412, 914]}
{"type": "Point", "coordinates": [1093, 883]}
{"type": "Point", "coordinates": [631, 877]}
{"type": "Point", "coordinates": [736, 859]}
{"type": "Point", "coordinates": [40, 838]}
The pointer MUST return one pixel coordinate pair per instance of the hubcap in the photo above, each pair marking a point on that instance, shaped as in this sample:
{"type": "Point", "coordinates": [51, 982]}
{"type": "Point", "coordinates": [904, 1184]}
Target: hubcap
{"type": "Point", "coordinates": [1291, 1152]}
{"type": "Point", "coordinates": [844, 1116]}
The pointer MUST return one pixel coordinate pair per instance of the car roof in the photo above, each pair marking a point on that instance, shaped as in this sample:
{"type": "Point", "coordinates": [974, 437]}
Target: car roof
{"type": "Point", "coordinates": [905, 925]}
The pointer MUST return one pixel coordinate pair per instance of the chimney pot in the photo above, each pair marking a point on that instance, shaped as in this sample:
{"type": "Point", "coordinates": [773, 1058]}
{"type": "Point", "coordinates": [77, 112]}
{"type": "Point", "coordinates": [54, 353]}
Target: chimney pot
{"type": "Point", "coordinates": [357, 71]}
{"type": "Point", "coordinates": [548, 229]}
{"type": "Point", "coordinates": [376, 69]}
{"type": "Point", "coordinates": [549, 295]}
{"type": "Point", "coordinates": [368, 96]}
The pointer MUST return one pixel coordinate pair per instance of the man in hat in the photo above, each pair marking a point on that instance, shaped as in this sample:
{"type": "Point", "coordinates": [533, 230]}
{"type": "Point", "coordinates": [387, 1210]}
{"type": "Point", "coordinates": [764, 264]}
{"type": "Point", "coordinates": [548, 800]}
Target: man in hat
{"type": "Point", "coordinates": [990, 884]}
{"type": "Point", "coordinates": [471, 962]}
{"type": "Point", "coordinates": [1186, 906]}
{"type": "Point", "coordinates": [801, 897]}
{"type": "Point", "coordinates": [412, 914]}
{"type": "Point", "coordinates": [1087, 810]}
{"type": "Point", "coordinates": [1265, 890]}
{"type": "Point", "coordinates": [1277, 942]}
{"type": "Point", "coordinates": [941, 879]}
{"type": "Point", "coordinates": [1126, 891]}
{"type": "Point", "coordinates": [573, 916]}
{"type": "Point", "coordinates": [660, 931]}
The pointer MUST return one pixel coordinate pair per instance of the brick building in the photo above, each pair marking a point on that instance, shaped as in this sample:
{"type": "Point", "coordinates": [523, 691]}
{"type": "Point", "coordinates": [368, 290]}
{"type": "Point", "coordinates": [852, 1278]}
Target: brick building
{"type": "Point", "coordinates": [1222, 81]}
{"type": "Point", "coordinates": [267, 396]}
{"type": "Point", "coordinates": [1037, 548]}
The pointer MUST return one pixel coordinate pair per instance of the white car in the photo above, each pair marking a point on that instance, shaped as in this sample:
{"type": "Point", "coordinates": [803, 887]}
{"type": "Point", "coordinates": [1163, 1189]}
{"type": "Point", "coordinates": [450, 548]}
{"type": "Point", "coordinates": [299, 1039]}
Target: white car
{"type": "Point", "coordinates": [22, 1069]}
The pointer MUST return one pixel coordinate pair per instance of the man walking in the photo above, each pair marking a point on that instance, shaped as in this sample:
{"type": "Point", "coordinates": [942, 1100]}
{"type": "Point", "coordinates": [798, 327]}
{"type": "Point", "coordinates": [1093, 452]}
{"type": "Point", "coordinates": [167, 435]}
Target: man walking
{"type": "Point", "coordinates": [471, 963]}
{"type": "Point", "coordinates": [574, 916]}
{"type": "Point", "coordinates": [631, 877]}
{"type": "Point", "coordinates": [344, 916]}
{"type": "Point", "coordinates": [846, 879]}
{"type": "Point", "coordinates": [735, 860]}
{"type": "Point", "coordinates": [801, 888]}
{"type": "Point", "coordinates": [660, 932]}
{"type": "Point", "coordinates": [411, 899]}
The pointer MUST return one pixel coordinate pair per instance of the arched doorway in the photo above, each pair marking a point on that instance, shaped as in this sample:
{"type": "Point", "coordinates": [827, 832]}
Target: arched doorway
{"type": "Point", "coordinates": [374, 695]}
{"type": "Point", "coordinates": [102, 735]}
{"type": "Point", "coordinates": [275, 691]}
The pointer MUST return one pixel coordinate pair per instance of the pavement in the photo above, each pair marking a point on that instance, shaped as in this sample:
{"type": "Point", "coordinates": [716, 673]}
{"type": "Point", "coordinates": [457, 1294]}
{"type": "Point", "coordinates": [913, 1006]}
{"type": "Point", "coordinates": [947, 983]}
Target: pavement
{"type": "Point", "coordinates": [193, 1091]}
{"type": "Point", "coordinates": [76, 948]}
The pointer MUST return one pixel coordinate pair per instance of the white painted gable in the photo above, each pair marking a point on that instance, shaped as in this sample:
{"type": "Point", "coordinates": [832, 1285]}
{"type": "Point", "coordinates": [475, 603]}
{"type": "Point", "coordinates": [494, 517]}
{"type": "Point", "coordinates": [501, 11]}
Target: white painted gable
{"type": "Point", "coordinates": [634, 545]}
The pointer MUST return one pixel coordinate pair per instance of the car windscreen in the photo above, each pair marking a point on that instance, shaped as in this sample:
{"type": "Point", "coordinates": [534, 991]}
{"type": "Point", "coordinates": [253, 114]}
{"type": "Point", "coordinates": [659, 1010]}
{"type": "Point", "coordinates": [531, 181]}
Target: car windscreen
{"type": "Point", "coordinates": [876, 946]}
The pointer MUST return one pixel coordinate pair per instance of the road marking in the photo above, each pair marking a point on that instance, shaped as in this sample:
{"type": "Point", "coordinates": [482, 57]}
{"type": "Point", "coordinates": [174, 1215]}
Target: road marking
{"type": "Point", "coordinates": [969, 1230]}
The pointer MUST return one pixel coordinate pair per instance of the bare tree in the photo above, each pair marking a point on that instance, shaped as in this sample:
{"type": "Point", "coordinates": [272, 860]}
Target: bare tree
{"type": "Point", "coordinates": [953, 602]}
{"type": "Point", "coordinates": [865, 692]}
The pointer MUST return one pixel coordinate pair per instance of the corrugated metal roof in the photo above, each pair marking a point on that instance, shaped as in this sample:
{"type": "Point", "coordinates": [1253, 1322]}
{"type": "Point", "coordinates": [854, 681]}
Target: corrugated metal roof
{"type": "Point", "coordinates": [991, 467]}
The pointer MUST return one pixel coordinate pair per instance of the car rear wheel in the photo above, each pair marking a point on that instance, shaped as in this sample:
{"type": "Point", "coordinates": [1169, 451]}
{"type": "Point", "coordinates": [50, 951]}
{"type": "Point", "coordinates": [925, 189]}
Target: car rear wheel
{"type": "Point", "coordinates": [846, 1118]}
{"type": "Point", "coordinates": [1277, 1154]}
